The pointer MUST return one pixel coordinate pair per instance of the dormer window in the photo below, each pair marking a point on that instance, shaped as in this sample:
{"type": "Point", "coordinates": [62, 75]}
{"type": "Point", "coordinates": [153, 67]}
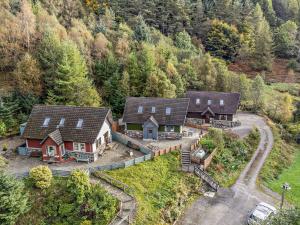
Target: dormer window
{"type": "Point", "coordinates": [209, 102]}
{"type": "Point", "coordinates": [198, 101]}
{"type": "Point", "coordinates": [46, 122]}
{"type": "Point", "coordinates": [79, 124]}
{"type": "Point", "coordinates": [62, 122]}
{"type": "Point", "coordinates": [221, 102]}
{"type": "Point", "coordinates": [153, 109]}
{"type": "Point", "coordinates": [140, 109]}
{"type": "Point", "coordinates": [168, 111]}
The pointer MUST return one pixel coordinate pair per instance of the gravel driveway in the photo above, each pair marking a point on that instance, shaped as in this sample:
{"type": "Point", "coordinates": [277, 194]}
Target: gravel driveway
{"type": "Point", "coordinates": [232, 205]}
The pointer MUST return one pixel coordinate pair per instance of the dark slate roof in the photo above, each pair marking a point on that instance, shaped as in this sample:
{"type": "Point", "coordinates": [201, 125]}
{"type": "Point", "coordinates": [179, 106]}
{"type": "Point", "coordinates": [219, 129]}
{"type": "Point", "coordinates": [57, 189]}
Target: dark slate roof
{"type": "Point", "coordinates": [56, 137]}
{"type": "Point", "coordinates": [231, 101]}
{"type": "Point", "coordinates": [178, 107]}
{"type": "Point", "coordinates": [93, 119]}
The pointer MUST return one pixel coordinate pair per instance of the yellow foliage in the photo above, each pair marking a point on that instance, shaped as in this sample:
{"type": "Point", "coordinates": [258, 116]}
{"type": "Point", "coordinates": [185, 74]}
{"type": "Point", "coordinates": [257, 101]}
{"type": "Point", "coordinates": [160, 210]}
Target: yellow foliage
{"type": "Point", "coordinates": [41, 176]}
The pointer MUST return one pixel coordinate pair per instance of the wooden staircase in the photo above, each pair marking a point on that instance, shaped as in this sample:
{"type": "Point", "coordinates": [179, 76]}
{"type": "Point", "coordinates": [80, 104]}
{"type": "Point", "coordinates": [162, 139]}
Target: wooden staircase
{"type": "Point", "coordinates": [205, 177]}
{"type": "Point", "coordinates": [185, 158]}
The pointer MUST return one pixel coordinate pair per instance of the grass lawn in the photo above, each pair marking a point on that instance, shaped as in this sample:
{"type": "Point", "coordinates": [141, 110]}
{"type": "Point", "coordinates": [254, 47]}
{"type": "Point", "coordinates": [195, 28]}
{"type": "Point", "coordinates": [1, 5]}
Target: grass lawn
{"type": "Point", "coordinates": [292, 176]}
{"type": "Point", "coordinates": [282, 165]}
{"type": "Point", "coordinates": [162, 191]}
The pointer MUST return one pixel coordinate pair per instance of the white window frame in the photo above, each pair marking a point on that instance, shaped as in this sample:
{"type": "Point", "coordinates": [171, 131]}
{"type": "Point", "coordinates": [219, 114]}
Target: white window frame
{"type": "Point", "coordinates": [153, 109]}
{"type": "Point", "coordinates": [77, 147]}
{"type": "Point", "coordinates": [209, 102]}
{"type": "Point", "coordinates": [168, 111]}
{"type": "Point", "coordinates": [198, 101]}
{"type": "Point", "coordinates": [140, 109]}
{"type": "Point", "coordinates": [221, 102]}
{"type": "Point", "coordinates": [54, 150]}
{"type": "Point", "coordinates": [63, 149]}
{"type": "Point", "coordinates": [46, 121]}
{"type": "Point", "coordinates": [169, 128]}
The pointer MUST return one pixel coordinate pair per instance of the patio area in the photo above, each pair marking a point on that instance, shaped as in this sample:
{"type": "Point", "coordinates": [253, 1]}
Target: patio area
{"type": "Point", "coordinates": [192, 135]}
{"type": "Point", "coordinates": [119, 153]}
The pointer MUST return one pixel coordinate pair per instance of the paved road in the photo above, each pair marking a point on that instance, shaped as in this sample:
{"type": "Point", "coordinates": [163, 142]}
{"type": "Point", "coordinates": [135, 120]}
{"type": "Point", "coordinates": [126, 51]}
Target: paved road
{"type": "Point", "coordinates": [231, 206]}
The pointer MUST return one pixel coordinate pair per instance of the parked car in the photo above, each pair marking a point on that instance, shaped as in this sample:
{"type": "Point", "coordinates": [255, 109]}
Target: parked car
{"type": "Point", "coordinates": [261, 213]}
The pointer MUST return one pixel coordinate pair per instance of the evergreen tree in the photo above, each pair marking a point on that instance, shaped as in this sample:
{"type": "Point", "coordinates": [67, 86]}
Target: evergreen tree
{"type": "Point", "coordinates": [142, 32]}
{"type": "Point", "coordinates": [13, 199]}
{"type": "Point", "coordinates": [285, 40]}
{"type": "Point", "coordinates": [262, 55]}
{"type": "Point", "coordinates": [183, 40]}
{"type": "Point", "coordinates": [72, 86]}
{"type": "Point", "coordinates": [50, 55]}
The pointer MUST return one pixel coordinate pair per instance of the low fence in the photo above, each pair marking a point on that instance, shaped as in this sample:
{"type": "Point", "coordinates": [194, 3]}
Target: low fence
{"type": "Point", "coordinates": [197, 143]}
{"type": "Point", "coordinates": [120, 165]}
{"type": "Point", "coordinates": [167, 150]}
{"type": "Point", "coordinates": [130, 142]}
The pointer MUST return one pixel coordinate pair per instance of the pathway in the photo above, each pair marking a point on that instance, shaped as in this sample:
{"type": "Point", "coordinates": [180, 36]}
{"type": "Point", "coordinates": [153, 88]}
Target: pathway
{"type": "Point", "coordinates": [128, 203]}
{"type": "Point", "coordinates": [231, 206]}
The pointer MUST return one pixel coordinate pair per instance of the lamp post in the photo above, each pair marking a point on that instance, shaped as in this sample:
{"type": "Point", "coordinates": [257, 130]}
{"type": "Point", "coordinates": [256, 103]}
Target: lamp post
{"type": "Point", "coordinates": [285, 187]}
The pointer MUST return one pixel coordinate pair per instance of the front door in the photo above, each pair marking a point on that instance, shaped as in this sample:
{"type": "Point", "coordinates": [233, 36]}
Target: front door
{"type": "Point", "coordinates": [150, 134]}
{"type": "Point", "coordinates": [207, 118]}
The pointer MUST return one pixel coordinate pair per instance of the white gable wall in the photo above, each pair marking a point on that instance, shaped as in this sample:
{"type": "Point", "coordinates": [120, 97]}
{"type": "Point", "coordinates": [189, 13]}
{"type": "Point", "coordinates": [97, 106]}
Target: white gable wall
{"type": "Point", "coordinates": [105, 128]}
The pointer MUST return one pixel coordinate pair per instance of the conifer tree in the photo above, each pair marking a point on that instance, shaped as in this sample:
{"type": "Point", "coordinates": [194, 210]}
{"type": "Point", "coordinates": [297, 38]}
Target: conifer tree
{"type": "Point", "coordinates": [72, 86]}
{"type": "Point", "coordinates": [262, 55]}
{"type": "Point", "coordinates": [13, 199]}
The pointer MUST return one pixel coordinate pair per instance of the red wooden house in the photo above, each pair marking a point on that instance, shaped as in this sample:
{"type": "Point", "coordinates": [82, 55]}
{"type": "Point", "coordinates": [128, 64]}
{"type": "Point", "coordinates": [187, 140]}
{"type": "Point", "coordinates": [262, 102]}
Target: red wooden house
{"type": "Point", "coordinates": [57, 133]}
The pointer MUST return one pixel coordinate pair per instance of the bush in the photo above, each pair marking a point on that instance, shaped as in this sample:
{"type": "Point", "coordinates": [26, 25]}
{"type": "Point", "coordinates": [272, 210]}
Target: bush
{"type": "Point", "coordinates": [13, 199]}
{"type": "Point", "coordinates": [3, 162]}
{"type": "Point", "coordinates": [86, 222]}
{"type": "Point", "coordinates": [5, 147]}
{"type": "Point", "coordinates": [79, 184]}
{"type": "Point", "coordinates": [41, 176]}
{"type": "Point", "coordinates": [2, 128]}
{"type": "Point", "coordinates": [207, 144]}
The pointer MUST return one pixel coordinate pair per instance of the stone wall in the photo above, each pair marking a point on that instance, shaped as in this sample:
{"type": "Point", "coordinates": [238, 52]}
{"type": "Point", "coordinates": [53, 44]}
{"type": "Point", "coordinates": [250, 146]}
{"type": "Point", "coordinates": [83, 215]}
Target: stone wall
{"type": "Point", "coordinates": [161, 135]}
{"type": "Point", "coordinates": [195, 121]}
{"type": "Point", "coordinates": [134, 134]}
{"type": "Point", "coordinates": [169, 135]}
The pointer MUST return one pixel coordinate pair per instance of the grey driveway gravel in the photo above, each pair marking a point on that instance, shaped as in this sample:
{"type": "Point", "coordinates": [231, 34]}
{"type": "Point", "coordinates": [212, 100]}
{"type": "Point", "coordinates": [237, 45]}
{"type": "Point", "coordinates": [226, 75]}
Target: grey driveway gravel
{"type": "Point", "coordinates": [231, 206]}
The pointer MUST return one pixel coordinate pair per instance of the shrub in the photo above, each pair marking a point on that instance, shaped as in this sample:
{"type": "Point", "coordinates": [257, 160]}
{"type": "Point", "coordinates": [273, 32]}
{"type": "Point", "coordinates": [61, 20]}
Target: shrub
{"type": "Point", "coordinates": [207, 144]}
{"type": "Point", "coordinates": [217, 136]}
{"type": "Point", "coordinates": [79, 184]}
{"type": "Point", "coordinates": [86, 222]}
{"type": "Point", "coordinates": [13, 199]}
{"type": "Point", "coordinates": [5, 147]}
{"type": "Point", "coordinates": [41, 176]}
{"type": "Point", "coordinates": [2, 128]}
{"type": "Point", "coordinates": [3, 162]}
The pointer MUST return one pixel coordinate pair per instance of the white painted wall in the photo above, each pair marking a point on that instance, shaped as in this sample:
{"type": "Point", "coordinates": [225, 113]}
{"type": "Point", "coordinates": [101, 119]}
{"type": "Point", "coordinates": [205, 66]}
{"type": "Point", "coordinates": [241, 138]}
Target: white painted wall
{"type": "Point", "coordinates": [105, 128]}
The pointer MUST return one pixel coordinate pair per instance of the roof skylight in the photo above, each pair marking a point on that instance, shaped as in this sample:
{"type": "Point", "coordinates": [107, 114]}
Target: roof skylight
{"type": "Point", "coordinates": [79, 123]}
{"type": "Point", "coordinates": [46, 122]}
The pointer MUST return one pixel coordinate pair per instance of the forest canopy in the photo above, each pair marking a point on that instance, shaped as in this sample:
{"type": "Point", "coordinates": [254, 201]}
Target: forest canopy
{"type": "Point", "coordinates": [96, 52]}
